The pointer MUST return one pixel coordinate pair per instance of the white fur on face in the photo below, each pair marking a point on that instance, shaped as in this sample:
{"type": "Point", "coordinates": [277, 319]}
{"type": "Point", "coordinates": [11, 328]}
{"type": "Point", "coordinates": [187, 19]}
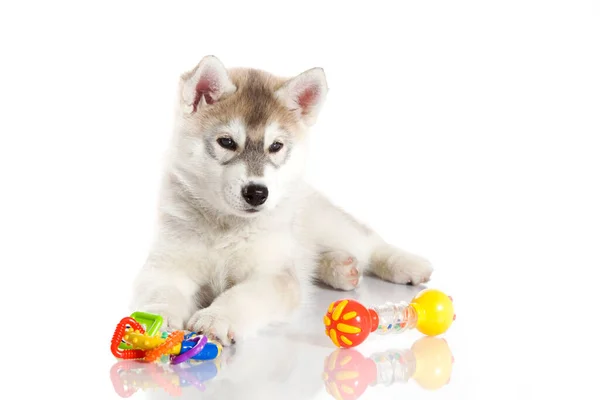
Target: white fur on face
{"type": "Point", "coordinates": [288, 166]}
{"type": "Point", "coordinates": [233, 180]}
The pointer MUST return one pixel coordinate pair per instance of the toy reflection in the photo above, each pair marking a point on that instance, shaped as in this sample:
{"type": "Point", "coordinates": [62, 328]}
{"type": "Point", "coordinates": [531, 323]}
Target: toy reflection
{"type": "Point", "coordinates": [266, 367]}
{"type": "Point", "coordinates": [347, 373]}
{"type": "Point", "coordinates": [129, 376]}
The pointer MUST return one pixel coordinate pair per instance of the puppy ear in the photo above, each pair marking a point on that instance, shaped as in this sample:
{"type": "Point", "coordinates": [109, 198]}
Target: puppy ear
{"type": "Point", "coordinates": [305, 94]}
{"type": "Point", "coordinates": [206, 84]}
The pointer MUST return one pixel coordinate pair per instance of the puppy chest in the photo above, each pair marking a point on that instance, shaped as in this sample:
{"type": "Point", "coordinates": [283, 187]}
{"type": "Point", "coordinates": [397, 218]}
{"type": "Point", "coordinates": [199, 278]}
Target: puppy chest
{"type": "Point", "coordinates": [221, 271]}
{"type": "Point", "coordinates": [233, 260]}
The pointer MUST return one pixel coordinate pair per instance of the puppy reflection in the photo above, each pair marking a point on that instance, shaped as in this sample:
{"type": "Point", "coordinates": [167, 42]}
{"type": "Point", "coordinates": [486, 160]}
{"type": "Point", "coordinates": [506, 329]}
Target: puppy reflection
{"type": "Point", "coordinates": [347, 373]}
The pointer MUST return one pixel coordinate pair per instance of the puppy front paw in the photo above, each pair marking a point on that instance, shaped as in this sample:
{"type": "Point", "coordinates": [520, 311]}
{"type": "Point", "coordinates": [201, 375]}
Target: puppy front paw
{"type": "Point", "coordinates": [214, 324]}
{"type": "Point", "coordinates": [398, 266]}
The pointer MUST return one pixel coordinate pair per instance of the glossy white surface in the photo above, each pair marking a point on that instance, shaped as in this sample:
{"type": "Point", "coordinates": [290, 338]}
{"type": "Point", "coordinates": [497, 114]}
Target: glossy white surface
{"type": "Point", "coordinates": [465, 131]}
{"type": "Point", "coordinates": [298, 361]}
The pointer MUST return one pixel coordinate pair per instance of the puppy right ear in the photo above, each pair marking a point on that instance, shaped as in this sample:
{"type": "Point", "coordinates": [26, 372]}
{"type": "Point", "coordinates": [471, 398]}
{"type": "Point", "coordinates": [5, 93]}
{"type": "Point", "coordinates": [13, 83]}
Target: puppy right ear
{"type": "Point", "coordinates": [206, 84]}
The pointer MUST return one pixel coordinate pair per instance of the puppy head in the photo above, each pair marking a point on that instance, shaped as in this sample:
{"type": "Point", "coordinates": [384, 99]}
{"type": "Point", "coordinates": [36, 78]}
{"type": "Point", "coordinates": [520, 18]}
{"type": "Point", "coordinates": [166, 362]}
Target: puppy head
{"type": "Point", "coordinates": [242, 134]}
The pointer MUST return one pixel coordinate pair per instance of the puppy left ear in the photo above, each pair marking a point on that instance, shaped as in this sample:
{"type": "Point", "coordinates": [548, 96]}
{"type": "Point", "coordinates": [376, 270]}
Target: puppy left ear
{"type": "Point", "coordinates": [206, 84]}
{"type": "Point", "coordinates": [305, 94]}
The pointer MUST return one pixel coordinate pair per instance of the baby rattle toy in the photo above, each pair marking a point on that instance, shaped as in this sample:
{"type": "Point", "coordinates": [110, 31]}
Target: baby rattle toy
{"type": "Point", "coordinates": [348, 322]}
{"type": "Point", "coordinates": [131, 341]}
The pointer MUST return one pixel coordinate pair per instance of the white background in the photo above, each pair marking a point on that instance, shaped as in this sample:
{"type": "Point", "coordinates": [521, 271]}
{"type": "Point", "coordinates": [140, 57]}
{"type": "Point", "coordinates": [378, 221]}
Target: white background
{"type": "Point", "coordinates": [466, 131]}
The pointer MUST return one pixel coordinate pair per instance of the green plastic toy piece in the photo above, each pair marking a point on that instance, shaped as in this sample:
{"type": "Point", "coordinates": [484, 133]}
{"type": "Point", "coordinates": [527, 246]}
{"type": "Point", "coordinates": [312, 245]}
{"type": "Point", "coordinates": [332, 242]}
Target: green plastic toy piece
{"type": "Point", "coordinates": [150, 322]}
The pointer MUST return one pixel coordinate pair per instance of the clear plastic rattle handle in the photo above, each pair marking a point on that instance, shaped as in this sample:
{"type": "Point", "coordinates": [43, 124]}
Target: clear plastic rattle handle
{"type": "Point", "coordinates": [395, 317]}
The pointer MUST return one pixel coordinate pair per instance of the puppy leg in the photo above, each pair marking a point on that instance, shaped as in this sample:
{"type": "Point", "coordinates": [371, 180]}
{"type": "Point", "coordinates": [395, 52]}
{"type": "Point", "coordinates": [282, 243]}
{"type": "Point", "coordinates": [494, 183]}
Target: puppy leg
{"type": "Point", "coordinates": [165, 290]}
{"type": "Point", "coordinates": [338, 269]}
{"type": "Point", "coordinates": [247, 307]}
{"type": "Point", "coordinates": [339, 233]}
{"type": "Point", "coordinates": [399, 266]}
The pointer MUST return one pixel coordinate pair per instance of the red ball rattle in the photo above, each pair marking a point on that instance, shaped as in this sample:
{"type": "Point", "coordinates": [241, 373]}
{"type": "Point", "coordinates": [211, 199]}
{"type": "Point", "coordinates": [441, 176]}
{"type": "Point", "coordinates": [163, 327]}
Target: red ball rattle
{"type": "Point", "coordinates": [348, 322]}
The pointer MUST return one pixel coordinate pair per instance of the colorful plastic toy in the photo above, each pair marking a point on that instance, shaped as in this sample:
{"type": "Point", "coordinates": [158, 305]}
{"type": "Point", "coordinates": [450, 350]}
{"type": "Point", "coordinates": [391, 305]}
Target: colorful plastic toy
{"type": "Point", "coordinates": [128, 354]}
{"type": "Point", "coordinates": [348, 322]}
{"type": "Point", "coordinates": [131, 341]}
{"type": "Point", "coordinates": [150, 322]}
{"type": "Point", "coordinates": [195, 350]}
{"type": "Point", "coordinates": [347, 374]}
{"type": "Point", "coordinates": [174, 339]}
{"type": "Point", "coordinates": [140, 340]}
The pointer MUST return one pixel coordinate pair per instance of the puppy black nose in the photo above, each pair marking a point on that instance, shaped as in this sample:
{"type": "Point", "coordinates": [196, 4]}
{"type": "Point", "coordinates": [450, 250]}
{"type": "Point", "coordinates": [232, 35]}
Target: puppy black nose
{"type": "Point", "coordinates": [255, 195]}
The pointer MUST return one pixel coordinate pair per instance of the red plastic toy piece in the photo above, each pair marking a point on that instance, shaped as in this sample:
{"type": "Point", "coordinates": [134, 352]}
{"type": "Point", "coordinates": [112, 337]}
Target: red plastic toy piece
{"type": "Point", "coordinates": [173, 340]}
{"type": "Point", "coordinates": [118, 337]}
{"type": "Point", "coordinates": [348, 323]}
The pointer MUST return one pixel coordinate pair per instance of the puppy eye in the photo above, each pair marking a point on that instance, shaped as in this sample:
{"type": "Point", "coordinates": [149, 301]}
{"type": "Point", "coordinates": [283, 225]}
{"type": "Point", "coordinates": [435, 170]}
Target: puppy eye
{"type": "Point", "coordinates": [227, 143]}
{"type": "Point", "coordinates": [275, 147]}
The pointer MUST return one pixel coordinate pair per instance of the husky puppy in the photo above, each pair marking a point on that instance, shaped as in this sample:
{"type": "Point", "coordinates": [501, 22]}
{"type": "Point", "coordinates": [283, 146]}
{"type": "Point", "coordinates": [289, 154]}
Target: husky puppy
{"type": "Point", "coordinates": [241, 235]}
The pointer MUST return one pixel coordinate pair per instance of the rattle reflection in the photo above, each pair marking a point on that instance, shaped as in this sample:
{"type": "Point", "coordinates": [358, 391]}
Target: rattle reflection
{"type": "Point", "coordinates": [347, 373]}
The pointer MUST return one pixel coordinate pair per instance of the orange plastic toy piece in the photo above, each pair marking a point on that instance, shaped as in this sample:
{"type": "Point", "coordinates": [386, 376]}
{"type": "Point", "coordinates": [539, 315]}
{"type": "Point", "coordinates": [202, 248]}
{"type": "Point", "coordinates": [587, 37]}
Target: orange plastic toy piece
{"type": "Point", "coordinates": [173, 340]}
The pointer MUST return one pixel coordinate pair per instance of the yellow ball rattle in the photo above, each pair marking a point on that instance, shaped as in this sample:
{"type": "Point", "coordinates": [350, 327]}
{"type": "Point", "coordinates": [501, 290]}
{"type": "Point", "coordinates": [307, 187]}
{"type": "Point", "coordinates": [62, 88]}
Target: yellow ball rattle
{"type": "Point", "coordinates": [348, 322]}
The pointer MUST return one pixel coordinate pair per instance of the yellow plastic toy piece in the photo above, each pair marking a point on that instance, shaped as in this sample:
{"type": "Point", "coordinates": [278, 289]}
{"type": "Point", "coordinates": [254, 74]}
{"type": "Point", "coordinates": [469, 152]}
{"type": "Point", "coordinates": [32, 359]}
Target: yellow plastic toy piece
{"type": "Point", "coordinates": [435, 312]}
{"type": "Point", "coordinates": [144, 342]}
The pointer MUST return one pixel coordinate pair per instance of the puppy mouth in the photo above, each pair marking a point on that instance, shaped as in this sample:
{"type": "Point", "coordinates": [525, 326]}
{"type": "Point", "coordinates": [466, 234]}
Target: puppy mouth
{"type": "Point", "coordinates": [251, 210]}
